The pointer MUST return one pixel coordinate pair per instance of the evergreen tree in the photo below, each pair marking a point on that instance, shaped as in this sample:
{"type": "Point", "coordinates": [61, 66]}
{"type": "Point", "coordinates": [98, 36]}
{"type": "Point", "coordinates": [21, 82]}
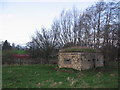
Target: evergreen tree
{"type": "Point", "coordinates": [6, 46]}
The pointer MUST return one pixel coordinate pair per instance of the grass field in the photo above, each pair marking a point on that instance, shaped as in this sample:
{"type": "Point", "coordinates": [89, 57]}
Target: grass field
{"type": "Point", "coordinates": [49, 76]}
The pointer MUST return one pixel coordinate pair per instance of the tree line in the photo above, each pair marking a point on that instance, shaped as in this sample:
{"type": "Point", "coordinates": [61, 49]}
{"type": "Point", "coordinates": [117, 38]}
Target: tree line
{"type": "Point", "coordinates": [8, 52]}
{"type": "Point", "coordinates": [96, 27]}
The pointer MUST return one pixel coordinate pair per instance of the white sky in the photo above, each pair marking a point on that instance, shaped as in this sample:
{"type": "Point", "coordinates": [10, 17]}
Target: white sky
{"type": "Point", "coordinates": [19, 19]}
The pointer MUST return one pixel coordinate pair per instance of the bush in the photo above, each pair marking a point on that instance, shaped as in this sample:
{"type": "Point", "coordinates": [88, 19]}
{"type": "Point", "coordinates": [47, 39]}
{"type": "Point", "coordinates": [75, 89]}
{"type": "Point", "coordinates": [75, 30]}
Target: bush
{"type": "Point", "coordinates": [7, 57]}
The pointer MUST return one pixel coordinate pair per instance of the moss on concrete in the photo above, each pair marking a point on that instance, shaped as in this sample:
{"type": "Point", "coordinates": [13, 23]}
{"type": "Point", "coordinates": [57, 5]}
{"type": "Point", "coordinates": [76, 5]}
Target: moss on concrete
{"type": "Point", "coordinates": [79, 49]}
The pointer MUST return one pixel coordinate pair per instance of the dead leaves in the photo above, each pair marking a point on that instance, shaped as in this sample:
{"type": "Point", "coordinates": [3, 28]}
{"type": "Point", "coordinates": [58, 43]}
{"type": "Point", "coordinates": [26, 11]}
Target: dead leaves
{"type": "Point", "coordinates": [99, 74]}
{"type": "Point", "coordinates": [71, 80]}
{"type": "Point", "coordinates": [51, 83]}
{"type": "Point", "coordinates": [112, 75]}
{"type": "Point", "coordinates": [38, 85]}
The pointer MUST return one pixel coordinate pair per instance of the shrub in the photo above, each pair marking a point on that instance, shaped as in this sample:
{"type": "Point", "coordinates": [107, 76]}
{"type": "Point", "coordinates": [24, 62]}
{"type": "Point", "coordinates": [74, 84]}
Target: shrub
{"type": "Point", "coordinates": [7, 56]}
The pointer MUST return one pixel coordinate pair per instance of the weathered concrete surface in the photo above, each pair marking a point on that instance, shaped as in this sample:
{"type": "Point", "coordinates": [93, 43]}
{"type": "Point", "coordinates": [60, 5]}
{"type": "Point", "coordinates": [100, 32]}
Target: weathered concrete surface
{"type": "Point", "coordinates": [74, 59]}
{"type": "Point", "coordinates": [79, 60]}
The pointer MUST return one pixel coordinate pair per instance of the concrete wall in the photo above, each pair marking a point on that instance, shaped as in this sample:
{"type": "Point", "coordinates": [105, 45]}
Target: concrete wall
{"type": "Point", "coordinates": [91, 60]}
{"type": "Point", "coordinates": [86, 60]}
{"type": "Point", "coordinates": [100, 60]}
{"type": "Point", "coordinates": [73, 57]}
{"type": "Point", "coordinates": [80, 61]}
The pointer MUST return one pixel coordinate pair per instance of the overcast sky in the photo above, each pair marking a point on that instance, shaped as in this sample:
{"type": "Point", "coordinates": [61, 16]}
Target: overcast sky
{"type": "Point", "coordinates": [19, 19]}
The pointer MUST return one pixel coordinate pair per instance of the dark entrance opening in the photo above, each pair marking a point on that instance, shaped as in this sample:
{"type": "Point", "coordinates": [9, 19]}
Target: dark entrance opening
{"type": "Point", "coordinates": [94, 63]}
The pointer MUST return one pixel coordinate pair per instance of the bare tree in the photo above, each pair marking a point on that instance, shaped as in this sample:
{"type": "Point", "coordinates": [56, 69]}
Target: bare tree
{"type": "Point", "coordinates": [45, 43]}
{"type": "Point", "coordinates": [96, 27]}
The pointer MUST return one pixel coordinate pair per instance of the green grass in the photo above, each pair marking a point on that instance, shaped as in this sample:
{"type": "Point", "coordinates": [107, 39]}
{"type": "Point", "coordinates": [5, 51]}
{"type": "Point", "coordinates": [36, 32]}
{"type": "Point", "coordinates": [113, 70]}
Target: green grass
{"type": "Point", "coordinates": [19, 52]}
{"type": "Point", "coordinates": [50, 76]}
